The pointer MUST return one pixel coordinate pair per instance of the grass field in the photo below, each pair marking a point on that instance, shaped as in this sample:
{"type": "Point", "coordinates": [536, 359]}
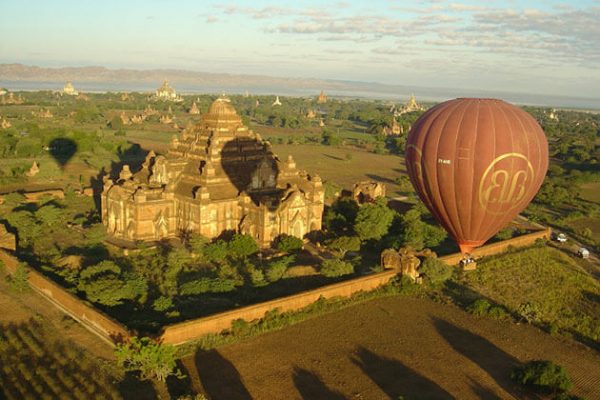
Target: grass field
{"type": "Point", "coordinates": [332, 164]}
{"type": "Point", "coordinates": [561, 294]}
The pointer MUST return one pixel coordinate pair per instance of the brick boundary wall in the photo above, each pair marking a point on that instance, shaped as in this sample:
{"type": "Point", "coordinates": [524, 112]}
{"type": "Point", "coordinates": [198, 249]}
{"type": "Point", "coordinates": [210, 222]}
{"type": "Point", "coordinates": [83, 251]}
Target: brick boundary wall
{"type": "Point", "coordinates": [92, 319]}
{"type": "Point", "coordinates": [498, 247]}
{"type": "Point", "coordinates": [185, 331]}
{"type": "Point", "coordinates": [110, 330]}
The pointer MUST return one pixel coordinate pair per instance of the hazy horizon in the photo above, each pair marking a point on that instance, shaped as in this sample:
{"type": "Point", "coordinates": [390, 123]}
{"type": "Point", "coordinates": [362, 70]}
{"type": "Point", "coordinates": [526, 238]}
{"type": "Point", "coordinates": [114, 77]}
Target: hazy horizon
{"type": "Point", "coordinates": [537, 47]}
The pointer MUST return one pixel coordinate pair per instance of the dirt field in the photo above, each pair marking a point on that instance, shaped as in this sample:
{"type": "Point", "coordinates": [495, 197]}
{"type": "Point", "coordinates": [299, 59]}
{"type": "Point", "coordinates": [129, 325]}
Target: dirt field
{"type": "Point", "coordinates": [388, 348]}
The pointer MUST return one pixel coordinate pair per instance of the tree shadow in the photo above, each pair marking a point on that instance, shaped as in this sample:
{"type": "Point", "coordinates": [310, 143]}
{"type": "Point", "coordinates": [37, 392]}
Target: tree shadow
{"type": "Point", "coordinates": [493, 360]}
{"type": "Point", "coordinates": [334, 157]}
{"type": "Point", "coordinates": [397, 379]}
{"type": "Point", "coordinates": [219, 377]}
{"type": "Point", "coordinates": [132, 387]}
{"type": "Point", "coordinates": [179, 387]}
{"type": "Point", "coordinates": [379, 178]}
{"type": "Point", "coordinates": [310, 386]}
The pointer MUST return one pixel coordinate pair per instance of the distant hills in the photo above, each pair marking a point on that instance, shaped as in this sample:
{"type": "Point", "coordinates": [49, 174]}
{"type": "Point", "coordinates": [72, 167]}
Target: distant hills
{"type": "Point", "coordinates": [24, 77]}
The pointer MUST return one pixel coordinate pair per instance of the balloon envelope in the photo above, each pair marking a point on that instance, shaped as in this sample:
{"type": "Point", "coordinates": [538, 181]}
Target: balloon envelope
{"type": "Point", "coordinates": [476, 164]}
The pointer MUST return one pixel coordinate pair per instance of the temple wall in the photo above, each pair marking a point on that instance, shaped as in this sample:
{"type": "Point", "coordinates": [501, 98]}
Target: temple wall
{"type": "Point", "coordinates": [92, 319]}
{"type": "Point", "coordinates": [194, 329]}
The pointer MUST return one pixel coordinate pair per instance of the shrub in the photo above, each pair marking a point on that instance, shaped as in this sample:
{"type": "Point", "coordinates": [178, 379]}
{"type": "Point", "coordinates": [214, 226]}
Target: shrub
{"type": "Point", "coordinates": [543, 376]}
{"type": "Point", "coordinates": [163, 303]}
{"type": "Point", "coordinates": [333, 268]}
{"type": "Point", "coordinates": [289, 244]}
{"type": "Point", "coordinates": [479, 307]}
{"type": "Point", "coordinates": [530, 312]}
{"type": "Point", "coordinates": [435, 270]}
{"type": "Point", "coordinates": [344, 244]}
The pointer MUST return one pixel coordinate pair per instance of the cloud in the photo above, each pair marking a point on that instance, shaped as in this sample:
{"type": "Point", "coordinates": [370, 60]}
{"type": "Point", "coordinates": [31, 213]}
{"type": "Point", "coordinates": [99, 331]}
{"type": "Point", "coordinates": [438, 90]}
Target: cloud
{"type": "Point", "coordinates": [211, 19]}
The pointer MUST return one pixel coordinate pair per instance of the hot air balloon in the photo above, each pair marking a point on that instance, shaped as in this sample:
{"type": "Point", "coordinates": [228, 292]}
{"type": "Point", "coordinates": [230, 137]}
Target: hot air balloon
{"type": "Point", "coordinates": [476, 164]}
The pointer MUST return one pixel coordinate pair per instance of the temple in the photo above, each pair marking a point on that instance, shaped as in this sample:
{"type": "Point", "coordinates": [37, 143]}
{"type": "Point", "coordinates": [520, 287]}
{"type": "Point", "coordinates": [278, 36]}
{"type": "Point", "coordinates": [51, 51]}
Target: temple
{"type": "Point", "coordinates": [322, 99]}
{"type": "Point", "coordinates": [69, 89]}
{"type": "Point", "coordinates": [217, 176]}
{"type": "Point", "coordinates": [410, 106]}
{"type": "Point", "coordinates": [166, 92]}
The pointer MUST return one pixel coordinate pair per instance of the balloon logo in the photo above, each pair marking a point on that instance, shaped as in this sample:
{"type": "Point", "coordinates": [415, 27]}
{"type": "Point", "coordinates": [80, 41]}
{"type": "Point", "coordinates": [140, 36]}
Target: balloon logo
{"type": "Point", "coordinates": [476, 164]}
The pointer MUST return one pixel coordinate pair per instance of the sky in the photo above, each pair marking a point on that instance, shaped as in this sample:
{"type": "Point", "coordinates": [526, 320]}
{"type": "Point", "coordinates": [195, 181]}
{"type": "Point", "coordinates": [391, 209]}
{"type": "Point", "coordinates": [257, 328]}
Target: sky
{"type": "Point", "coordinates": [541, 47]}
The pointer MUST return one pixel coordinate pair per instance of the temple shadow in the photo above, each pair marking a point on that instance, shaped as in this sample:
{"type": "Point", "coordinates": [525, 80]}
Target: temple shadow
{"type": "Point", "coordinates": [219, 377]}
{"type": "Point", "coordinates": [493, 360]}
{"type": "Point", "coordinates": [311, 387]}
{"type": "Point", "coordinates": [396, 379]}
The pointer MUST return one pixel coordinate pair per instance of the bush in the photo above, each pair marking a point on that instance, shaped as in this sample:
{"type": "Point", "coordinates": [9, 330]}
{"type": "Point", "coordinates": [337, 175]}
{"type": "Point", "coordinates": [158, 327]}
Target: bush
{"type": "Point", "coordinates": [333, 268]}
{"type": "Point", "coordinates": [543, 376]}
{"type": "Point", "coordinates": [483, 308]}
{"type": "Point", "coordinates": [435, 270]}
{"type": "Point", "coordinates": [530, 312]}
{"type": "Point", "coordinates": [289, 244]}
{"type": "Point", "coordinates": [163, 303]}
{"type": "Point", "coordinates": [203, 285]}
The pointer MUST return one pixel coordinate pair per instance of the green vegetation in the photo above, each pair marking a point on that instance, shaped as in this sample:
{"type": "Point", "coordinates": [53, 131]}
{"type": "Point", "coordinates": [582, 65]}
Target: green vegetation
{"type": "Point", "coordinates": [542, 376]}
{"type": "Point", "coordinates": [540, 285]}
{"type": "Point", "coordinates": [151, 359]}
{"type": "Point", "coordinates": [332, 268]}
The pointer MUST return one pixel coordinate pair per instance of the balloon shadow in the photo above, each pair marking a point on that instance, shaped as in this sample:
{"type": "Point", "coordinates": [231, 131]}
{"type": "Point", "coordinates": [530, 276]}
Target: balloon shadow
{"type": "Point", "coordinates": [397, 379]}
{"type": "Point", "coordinates": [249, 165]}
{"type": "Point", "coordinates": [62, 150]}
{"type": "Point", "coordinates": [312, 387]}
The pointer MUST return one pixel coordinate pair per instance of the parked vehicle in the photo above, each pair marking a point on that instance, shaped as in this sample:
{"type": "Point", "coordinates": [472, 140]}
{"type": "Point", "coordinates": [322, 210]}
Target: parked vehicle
{"type": "Point", "coordinates": [583, 252]}
{"type": "Point", "coordinates": [560, 237]}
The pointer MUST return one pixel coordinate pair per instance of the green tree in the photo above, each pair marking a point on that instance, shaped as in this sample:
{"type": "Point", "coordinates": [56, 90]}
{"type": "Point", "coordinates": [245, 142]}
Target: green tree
{"type": "Point", "coordinates": [288, 243]}
{"type": "Point", "coordinates": [344, 244]}
{"type": "Point", "coordinates": [242, 246]}
{"type": "Point", "coordinates": [373, 220]}
{"type": "Point", "coordinates": [151, 359]}
{"type": "Point", "coordinates": [435, 270]}
{"type": "Point", "coordinates": [216, 251]}
{"type": "Point", "coordinates": [332, 268]}
{"type": "Point", "coordinates": [104, 283]}
{"type": "Point", "coordinates": [276, 268]}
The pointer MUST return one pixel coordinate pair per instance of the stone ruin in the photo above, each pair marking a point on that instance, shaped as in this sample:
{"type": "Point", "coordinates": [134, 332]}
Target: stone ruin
{"type": "Point", "coordinates": [34, 170]}
{"type": "Point", "coordinates": [405, 261]}
{"type": "Point", "coordinates": [368, 191]}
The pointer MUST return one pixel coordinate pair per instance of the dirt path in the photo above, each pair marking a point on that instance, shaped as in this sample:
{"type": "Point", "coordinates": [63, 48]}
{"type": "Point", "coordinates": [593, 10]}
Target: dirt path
{"type": "Point", "coordinates": [389, 348]}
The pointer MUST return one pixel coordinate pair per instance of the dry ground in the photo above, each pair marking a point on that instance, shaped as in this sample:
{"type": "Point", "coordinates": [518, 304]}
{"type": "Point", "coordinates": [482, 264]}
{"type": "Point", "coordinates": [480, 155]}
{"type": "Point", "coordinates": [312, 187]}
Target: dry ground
{"type": "Point", "coordinates": [387, 348]}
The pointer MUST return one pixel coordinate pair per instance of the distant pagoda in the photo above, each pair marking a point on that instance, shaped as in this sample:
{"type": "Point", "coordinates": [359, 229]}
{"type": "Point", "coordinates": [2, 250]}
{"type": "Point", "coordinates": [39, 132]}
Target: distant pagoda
{"type": "Point", "coordinates": [167, 93]}
{"type": "Point", "coordinates": [69, 89]}
{"type": "Point", "coordinates": [322, 99]}
{"type": "Point", "coordinates": [194, 109]}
